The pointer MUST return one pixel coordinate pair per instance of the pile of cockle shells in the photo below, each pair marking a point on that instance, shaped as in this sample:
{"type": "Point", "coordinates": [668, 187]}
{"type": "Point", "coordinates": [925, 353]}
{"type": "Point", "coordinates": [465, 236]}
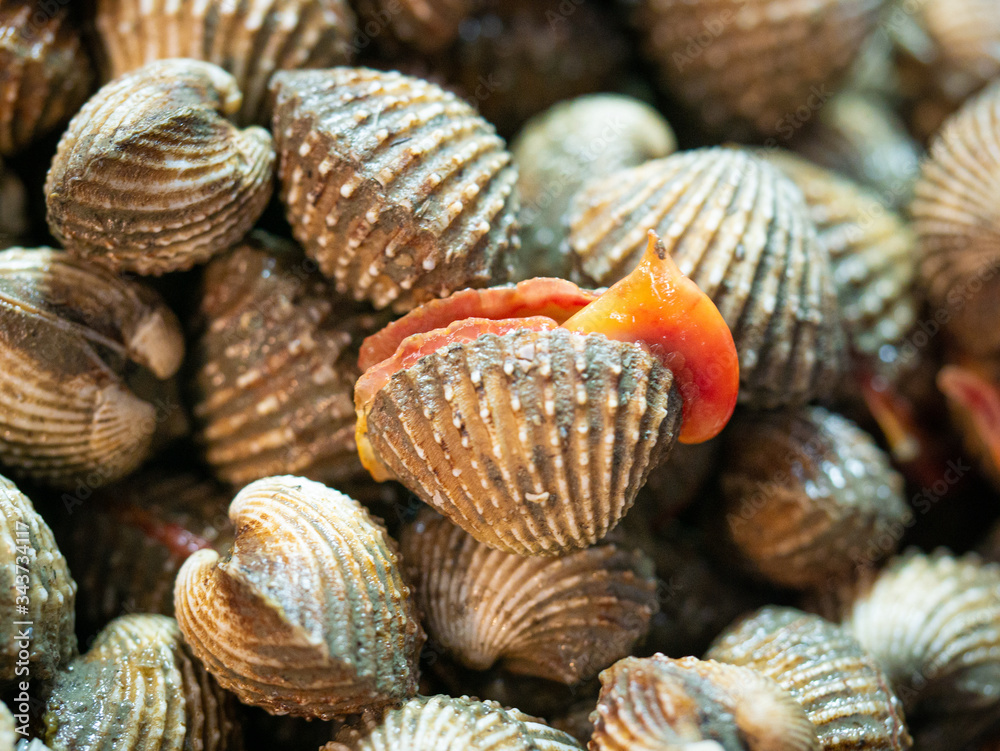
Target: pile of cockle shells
{"type": "Point", "coordinates": [330, 416]}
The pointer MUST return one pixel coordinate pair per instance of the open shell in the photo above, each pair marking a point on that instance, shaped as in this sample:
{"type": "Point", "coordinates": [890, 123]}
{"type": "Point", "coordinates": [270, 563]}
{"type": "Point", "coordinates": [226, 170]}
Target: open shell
{"type": "Point", "coordinates": [137, 689]}
{"type": "Point", "coordinates": [70, 334]}
{"type": "Point", "coordinates": [307, 614]}
{"type": "Point", "coordinates": [840, 686]}
{"type": "Point", "coordinates": [534, 443]}
{"type": "Point", "coordinates": [741, 230]}
{"type": "Point", "coordinates": [398, 189]}
{"type": "Point", "coordinates": [151, 177]}
{"type": "Point", "coordinates": [564, 619]}
{"type": "Point", "coordinates": [659, 703]}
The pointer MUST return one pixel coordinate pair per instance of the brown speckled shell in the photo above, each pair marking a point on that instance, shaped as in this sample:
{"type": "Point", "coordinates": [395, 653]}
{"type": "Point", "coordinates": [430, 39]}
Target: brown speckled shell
{"type": "Point", "coordinates": [659, 703]}
{"type": "Point", "coordinates": [249, 38]}
{"type": "Point", "coordinates": [841, 687]}
{"type": "Point", "coordinates": [564, 619]}
{"type": "Point", "coordinates": [46, 71]}
{"type": "Point", "coordinates": [138, 688]}
{"type": "Point", "coordinates": [71, 334]}
{"type": "Point", "coordinates": [533, 442]}
{"type": "Point", "coordinates": [397, 188]}
{"type": "Point", "coordinates": [741, 230]}
{"type": "Point", "coordinates": [426, 25]}
{"type": "Point", "coordinates": [757, 66]}
{"type": "Point", "coordinates": [307, 614]}
{"type": "Point", "coordinates": [151, 177]}
{"type": "Point", "coordinates": [276, 363]}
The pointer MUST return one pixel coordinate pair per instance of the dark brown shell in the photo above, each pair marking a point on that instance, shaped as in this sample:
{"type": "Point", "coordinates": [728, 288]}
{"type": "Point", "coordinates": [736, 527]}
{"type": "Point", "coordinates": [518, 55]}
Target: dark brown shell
{"type": "Point", "coordinates": [534, 443]}
{"type": "Point", "coordinates": [13, 208]}
{"type": "Point", "coordinates": [741, 230]}
{"type": "Point", "coordinates": [397, 188]}
{"type": "Point", "coordinates": [426, 25]}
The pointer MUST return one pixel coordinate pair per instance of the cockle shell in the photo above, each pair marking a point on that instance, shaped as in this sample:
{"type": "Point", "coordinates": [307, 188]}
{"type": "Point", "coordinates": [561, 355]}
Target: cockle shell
{"type": "Point", "coordinates": [308, 614]}
{"type": "Point", "coordinates": [534, 442]}
{"type": "Point", "coordinates": [427, 25]}
{"type": "Point", "coordinates": [445, 723]}
{"type": "Point", "coordinates": [397, 188]}
{"type": "Point", "coordinates": [564, 618]}
{"type": "Point", "coordinates": [249, 38]}
{"type": "Point", "coordinates": [841, 687]}
{"type": "Point", "coordinates": [37, 593]}
{"type": "Point", "coordinates": [71, 337]}
{"type": "Point", "coordinates": [151, 177]}
{"type": "Point", "coordinates": [809, 496]}
{"type": "Point", "coordinates": [138, 688]}
{"type": "Point", "coordinates": [957, 222]}
{"type": "Point", "coordinates": [559, 150]}
{"type": "Point", "coordinates": [276, 363]}
{"type": "Point", "coordinates": [659, 703]}
{"type": "Point", "coordinates": [757, 67]}
{"type": "Point", "coordinates": [46, 71]}
{"type": "Point", "coordinates": [741, 230]}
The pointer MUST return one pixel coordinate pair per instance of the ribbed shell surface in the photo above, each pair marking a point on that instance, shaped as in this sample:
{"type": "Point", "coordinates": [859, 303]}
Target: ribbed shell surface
{"type": "Point", "coordinates": [249, 38]}
{"type": "Point", "coordinates": [398, 189]}
{"type": "Point", "coordinates": [427, 25]}
{"type": "Point", "coordinates": [741, 230]}
{"type": "Point", "coordinates": [841, 687]}
{"type": "Point", "coordinates": [276, 362]}
{"type": "Point", "coordinates": [151, 177]}
{"type": "Point", "coordinates": [659, 704]}
{"type": "Point", "coordinates": [35, 588]}
{"type": "Point", "coordinates": [534, 443]}
{"type": "Point", "coordinates": [564, 618]}
{"type": "Point", "coordinates": [46, 72]}
{"type": "Point", "coordinates": [138, 689]}
{"type": "Point", "coordinates": [308, 614]}
{"type": "Point", "coordinates": [69, 332]}
{"type": "Point", "coordinates": [809, 496]}
{"type": "Point", "coordinates": [445, 723]}
{"type": "Point", "coordinates": [759, 66]}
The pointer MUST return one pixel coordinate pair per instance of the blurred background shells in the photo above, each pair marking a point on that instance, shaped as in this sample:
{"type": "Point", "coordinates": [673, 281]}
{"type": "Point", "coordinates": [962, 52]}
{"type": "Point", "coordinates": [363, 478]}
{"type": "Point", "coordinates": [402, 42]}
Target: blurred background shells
{"type": "Point", "coordinates": [429, 26]}
{"type": "Point", "coordinates": [138, 687]}
{"type": "Point", "coordinates": [150, 175]}
{"type": "Point", "coordinates": [445, 723]}
{"type": "Point", "coordinates": [249, 38]}
{"type": "Point", "coordinates": [275, 365]}
{"type": "Point", "coordinates": [307, 614]}
{"type": "Point", "coordinates": [564, 618]}
{"type": "Point", "coordinates": [540, 439]}
{"type": "Point", "coordinates": [559, 149]}
{"type": "Point", "coordinates": [841, 687]}
{"type": "Point", "coordinates": [657, 702]}
{"type": "Point", "coordinates": [35, 584]}
{"type": "Point", "coordinates": [47, 72]}
{"type": "Point", "coordinates": [741, 230]}
{"type": "Point", "coordinates": [397, 188]}
{"type": "Point", "coordinates": [83, 358]}
{"type": "Point", "coordinates": [13, 208]}
{"type": "Point", "coordinates": [750, 69]}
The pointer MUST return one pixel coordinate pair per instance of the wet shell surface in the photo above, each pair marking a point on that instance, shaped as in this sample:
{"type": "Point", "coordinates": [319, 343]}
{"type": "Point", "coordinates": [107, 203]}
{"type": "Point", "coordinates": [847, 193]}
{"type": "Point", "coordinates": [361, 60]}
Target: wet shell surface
{"type": "Point", "coordinates": [741, 230]}
{"type": "Point", "coordinates": [36, 589]}
{"type": "Point", "coordinates": [307, 614]}
{"type": "Point", "coordinates": [445, 723]}
{"type": "Point", "coordinates": [426, 25]}
{"type": "Point", "coordinates": [809, 496]}
{"type": "Point", "coordinates": [564, 619]}
{"type": "Point", "coordinates": [138, 688]}
{"type": "Point", "coordinates": [275, 366]}
{"type": "Point", "coordinates": [71, 334]}
{"type": "Point", "coordinates": [841, 687]}
{"type": "Point", "coordinates": [563, 147]}
{"type": "Point", "coordinates": [398, 189]}
{"type": "Point", "coordinates": [757, 67]}
{"type": "Point", "coordinates": [249, 38]}
{"type": "Point", "coordinates": [659, 703]}
{"type": "Point", "coordinates": [958, 222]}
{"type": "Point", "coordinates": [534, 443]}
{"type": "Point", "coordinates": [47, 72]}
{"type": "Point", "coordinates": [151, 177]}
